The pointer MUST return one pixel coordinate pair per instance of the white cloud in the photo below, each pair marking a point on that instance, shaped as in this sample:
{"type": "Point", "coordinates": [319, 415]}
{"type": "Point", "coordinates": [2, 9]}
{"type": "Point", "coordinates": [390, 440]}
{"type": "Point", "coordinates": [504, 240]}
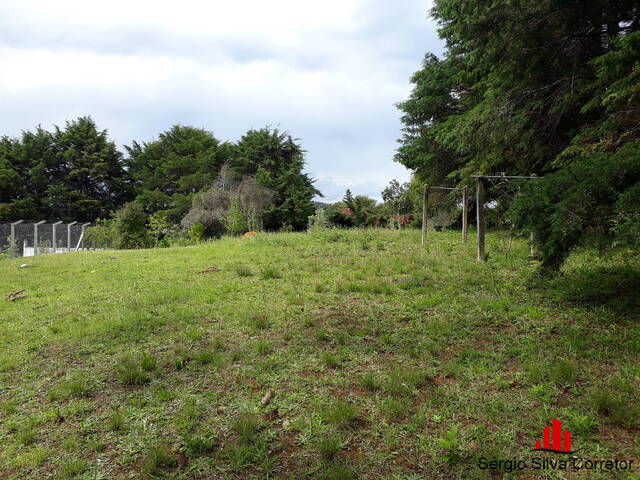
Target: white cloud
{"type": "Point", "coordinates": [329, 72]}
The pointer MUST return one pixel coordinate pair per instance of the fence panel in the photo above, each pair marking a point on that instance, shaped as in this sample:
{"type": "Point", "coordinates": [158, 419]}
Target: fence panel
{"type": "Point", "coordinates": [31, 238]}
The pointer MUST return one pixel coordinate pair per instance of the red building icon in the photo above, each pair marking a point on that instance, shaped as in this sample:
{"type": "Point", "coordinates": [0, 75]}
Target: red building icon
{"type": "Point", "coordinates": [554, 439]}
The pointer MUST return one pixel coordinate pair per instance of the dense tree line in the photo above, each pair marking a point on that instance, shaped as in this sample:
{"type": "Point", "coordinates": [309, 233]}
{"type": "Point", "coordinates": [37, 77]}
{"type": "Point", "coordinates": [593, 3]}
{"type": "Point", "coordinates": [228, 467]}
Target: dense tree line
{"type": "Point", "coordinates": [77, 173]}
{"type": "Point", "coordinates": [550, 88]}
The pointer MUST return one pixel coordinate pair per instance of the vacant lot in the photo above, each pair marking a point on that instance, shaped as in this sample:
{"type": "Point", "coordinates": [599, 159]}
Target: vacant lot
{"type": "Point", "coordinates": [335, 355]}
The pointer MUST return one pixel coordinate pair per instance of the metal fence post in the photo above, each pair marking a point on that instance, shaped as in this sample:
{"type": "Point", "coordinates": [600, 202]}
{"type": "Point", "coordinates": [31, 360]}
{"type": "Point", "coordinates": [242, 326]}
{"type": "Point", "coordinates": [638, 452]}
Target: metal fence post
{"type": "Point", "coordinates": [69, 236]}
{"type": "Point", "coordinates": [55, 242]}
{"type": "Point", "coordinates": [84, 225]}
{"type": "Point", "coordinates": [13, 230]}
{"type": "Point", "coordinates": [35, 236]}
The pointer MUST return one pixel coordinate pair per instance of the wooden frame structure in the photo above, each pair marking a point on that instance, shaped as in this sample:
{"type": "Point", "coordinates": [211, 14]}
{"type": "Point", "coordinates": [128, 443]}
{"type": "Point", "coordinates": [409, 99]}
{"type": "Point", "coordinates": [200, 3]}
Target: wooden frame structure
{"type": "Point", "coordinates": [465, 210]}
{"type": "Point", "coordinates": [480, 197]}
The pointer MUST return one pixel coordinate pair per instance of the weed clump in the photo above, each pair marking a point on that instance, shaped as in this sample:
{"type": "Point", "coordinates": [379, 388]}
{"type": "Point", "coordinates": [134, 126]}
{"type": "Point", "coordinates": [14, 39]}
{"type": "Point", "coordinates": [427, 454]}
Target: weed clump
{"type": "Point", "coordinates": [328, 446]}
{"type": "Point", "coordinates": [246, 426]}
{"type": "Point", "coordinates": [116, 422]}
{"type": "Point", "coordinates": [131, 372]}
{"type": "Point", "coordinates": [244, 271]}
{"type": "Point", "coordinates": [26, 436]}
{"type": "Point", "coordinates": [341, 414]}
{"type": "Point", "coordinates": [370, 382]}
{"type": "Point", "coordinates": [330, 360]}
{"type": "Point", "coordinates": [72, 468]}
{"type": "Point", "coordinates": [269, 272]}
{"type": "Point", "coordinates": [158, 458]}
{"type": "Point", "coordinates": [258, 322]}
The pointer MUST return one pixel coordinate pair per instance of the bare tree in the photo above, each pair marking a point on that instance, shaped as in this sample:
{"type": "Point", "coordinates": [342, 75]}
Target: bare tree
{"type": "Point", "coordinates": [254, 199]}
{"type": "Point", "coordinates": [211, 208]}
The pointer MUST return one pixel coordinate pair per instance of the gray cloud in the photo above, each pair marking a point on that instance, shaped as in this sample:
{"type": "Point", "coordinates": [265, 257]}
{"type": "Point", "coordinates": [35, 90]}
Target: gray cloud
{"type": "Point", "coordinates": [330, 80]}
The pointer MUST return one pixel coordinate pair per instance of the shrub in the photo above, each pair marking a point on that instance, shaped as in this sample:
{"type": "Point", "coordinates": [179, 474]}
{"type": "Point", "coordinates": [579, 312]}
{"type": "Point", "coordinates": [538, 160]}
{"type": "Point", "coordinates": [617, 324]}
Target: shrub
{"type": "Point", "coordinates": [450, 443]}
{"type": "Point", "coordinates": [196, 232]}
{"type": "Point", "coordinates": [563, 211]}
{"type": "Point", "coordinates": [319, 220]}
{"type": "Point", "coordinates": [235, 221]}
{"type": "Point", "coordinates": [130, 226]}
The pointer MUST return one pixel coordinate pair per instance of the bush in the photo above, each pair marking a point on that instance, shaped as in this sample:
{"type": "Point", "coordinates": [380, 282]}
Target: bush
{"type": "Point", "coordinates": [319, 220]}
{"type": "Point", "coordinates": [127, 229]}
{"type": "Point", "coordinates": [130, 224]}
{"type": "Point", "coordinates": [196, 232]}
{"type": "Point", "coordinates": [235, 221]}
{"type": "Point", "coordinates": [102, 235]}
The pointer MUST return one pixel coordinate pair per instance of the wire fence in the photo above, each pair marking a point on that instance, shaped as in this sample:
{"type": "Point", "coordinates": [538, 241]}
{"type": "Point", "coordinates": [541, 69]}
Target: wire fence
{"type": "Point", "coordinates": [27, 239]}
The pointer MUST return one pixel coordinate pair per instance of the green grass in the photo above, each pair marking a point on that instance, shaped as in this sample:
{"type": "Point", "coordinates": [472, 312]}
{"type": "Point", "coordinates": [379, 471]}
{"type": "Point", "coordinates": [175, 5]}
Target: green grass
{"type": "Point", "coordinates": [386, 360]}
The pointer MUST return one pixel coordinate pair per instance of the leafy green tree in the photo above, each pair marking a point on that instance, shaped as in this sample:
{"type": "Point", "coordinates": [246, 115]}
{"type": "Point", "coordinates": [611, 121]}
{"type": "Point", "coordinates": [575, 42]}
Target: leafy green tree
{"type": "Point", "coordinates": [397, 198]}
{"type": "Point", "coordinates": [277, 161]}
{"type": "Point", "coordinates": [169, 171]}
{"type": "Point", "coordinates": [340, 215]}
{"type": "Point", "coordinates": [358, 211]}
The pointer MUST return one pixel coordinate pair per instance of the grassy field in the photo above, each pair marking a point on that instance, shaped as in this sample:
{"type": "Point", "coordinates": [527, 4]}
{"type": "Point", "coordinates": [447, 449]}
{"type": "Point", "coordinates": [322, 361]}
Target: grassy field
{"type": "Point", "coordinates": [336, 355]}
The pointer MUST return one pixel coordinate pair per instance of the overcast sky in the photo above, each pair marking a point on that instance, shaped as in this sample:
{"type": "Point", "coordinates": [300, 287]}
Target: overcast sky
{"type": "Point", "coordinates": [329, 72]}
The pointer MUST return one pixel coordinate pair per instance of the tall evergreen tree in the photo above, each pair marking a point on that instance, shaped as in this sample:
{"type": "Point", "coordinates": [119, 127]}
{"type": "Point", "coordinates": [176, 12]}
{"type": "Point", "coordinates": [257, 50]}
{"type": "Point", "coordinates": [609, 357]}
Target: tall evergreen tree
{"type": "Point", "coordinates": [169, 171]}
{"type": "Point", "coordinates": [277, 162]}
{"type": "Point", "coordinates": [74, 173]}
{"type": "Point", "coordinates": [528, 87]}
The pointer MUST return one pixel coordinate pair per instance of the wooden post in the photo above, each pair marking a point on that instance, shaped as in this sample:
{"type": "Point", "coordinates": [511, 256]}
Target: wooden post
{"type": "Point", "coordinates": [465, 214]}
{"type": "Point", "coordinates": [424, 214]}
{"type": "Point", "coordinates": [480, 218]}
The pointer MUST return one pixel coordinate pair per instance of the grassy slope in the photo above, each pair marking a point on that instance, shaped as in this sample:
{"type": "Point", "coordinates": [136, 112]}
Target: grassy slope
{"type": "Point", "coordinates": [131, 364]}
